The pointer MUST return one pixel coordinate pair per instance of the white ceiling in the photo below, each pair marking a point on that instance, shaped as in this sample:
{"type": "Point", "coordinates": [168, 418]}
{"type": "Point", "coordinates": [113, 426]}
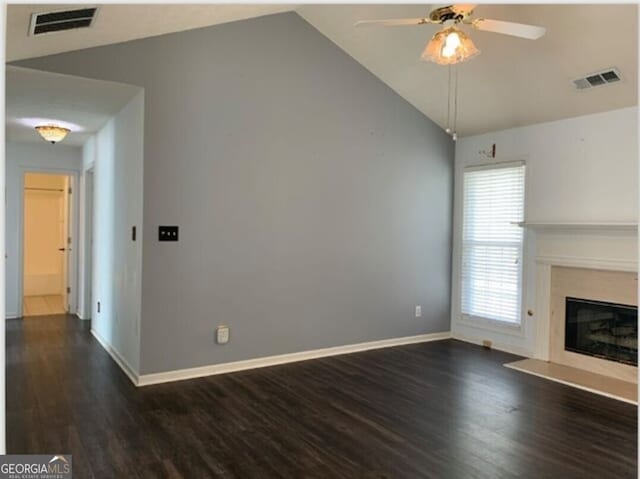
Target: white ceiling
{"type": "Point", "coordinates": [514, 82]}
{"type": "Point", "coordinates": [116, 23]}
{"type": "Point", "coordinates": [35, 97]}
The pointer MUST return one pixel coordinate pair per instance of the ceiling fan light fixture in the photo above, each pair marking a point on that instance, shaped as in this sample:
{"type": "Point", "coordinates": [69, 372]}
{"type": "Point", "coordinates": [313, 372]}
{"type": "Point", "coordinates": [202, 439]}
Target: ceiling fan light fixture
{"type": "Point", "coordinates": [52, 133]}
{"type": "Point", "coordinates": [449, 46]}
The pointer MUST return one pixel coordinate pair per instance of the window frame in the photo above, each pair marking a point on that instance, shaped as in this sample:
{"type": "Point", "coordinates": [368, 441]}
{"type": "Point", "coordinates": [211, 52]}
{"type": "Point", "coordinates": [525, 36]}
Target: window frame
{"type": "Point", "coordinates": [491, 324]}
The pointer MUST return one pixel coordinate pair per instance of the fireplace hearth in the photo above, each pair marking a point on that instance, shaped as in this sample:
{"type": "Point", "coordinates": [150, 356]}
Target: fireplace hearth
{"type": "Point", "coordinates": [600, 329]}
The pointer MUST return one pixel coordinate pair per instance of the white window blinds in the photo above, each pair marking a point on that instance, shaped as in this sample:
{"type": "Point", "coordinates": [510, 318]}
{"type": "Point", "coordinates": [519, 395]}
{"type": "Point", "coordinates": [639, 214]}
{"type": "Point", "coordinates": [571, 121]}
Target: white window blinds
{"type": "Point", "coordinates": [492, 242]}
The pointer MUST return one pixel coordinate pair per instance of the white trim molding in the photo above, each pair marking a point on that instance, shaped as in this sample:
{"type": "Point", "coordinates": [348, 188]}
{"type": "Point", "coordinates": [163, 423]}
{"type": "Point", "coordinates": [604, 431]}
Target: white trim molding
{"type": "Point", "coordinates": [117, 357]}
{"type": "Point", "coordinates": [592, 227]}
{"type": "Point", "coordinates": [223, 368]}
{"type": "Point", "coordinates": [590, 263]}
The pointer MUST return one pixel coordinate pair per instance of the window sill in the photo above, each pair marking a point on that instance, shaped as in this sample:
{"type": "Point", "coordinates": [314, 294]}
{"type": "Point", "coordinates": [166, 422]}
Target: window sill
{"type": "Point", "coordinates": [494, 325]}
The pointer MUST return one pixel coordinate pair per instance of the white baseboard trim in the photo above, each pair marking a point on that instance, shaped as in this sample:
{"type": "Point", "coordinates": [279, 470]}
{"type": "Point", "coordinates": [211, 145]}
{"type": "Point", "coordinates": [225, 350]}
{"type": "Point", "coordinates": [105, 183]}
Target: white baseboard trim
{"type": "Point", "coordinates": [117, 357]}
{"type": "Point", "coordinates": [11, 316]}
{"type": "Point", "coordinates": [505, 348]}
{"type": "Point", "coordinates": [213, 369]}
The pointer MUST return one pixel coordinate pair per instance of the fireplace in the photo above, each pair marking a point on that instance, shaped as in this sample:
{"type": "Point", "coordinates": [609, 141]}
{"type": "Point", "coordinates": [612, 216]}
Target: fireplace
{"type": "Point", "coordinates": [600, 329]}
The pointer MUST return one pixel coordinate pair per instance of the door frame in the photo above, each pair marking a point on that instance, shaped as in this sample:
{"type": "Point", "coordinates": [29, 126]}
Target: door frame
{"type": "Point", "coordinates": [73, 233]}
{"type": "Point", "coordinates": [85, 242]}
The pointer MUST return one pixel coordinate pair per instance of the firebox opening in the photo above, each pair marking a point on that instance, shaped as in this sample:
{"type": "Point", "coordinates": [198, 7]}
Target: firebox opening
{"type": "Point", "coordinates": [600, 329]}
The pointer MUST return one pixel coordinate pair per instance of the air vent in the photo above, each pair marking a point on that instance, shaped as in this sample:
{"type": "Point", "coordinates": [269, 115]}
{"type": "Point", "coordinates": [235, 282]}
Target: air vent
{"type": "Point", "coordinates": [51, 22]}
{"type": "Point", "coordinates": [605, 77]}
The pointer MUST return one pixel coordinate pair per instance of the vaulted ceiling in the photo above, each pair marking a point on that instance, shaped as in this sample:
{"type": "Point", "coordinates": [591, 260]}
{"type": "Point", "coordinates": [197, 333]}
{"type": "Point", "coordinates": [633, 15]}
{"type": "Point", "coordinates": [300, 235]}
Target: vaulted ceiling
{"type": "Point", "coordinates": [116, 23]}
{"type": "Point", "coordinates": [514, 82]}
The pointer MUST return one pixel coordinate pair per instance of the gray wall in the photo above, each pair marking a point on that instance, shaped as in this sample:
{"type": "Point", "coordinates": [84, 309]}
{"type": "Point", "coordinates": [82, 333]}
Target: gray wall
{"type": "Point", "coordinates": [314, 203]}
{"type": "Point", "coordinates": [116, 155]}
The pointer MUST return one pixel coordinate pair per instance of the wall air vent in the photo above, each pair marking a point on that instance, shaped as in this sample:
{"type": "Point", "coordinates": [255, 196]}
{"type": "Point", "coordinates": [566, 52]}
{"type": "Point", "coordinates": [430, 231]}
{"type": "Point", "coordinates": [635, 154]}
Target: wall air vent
{"type": "Point", "coordinates": [605, 77]}
{"type": "Point", "coordinates": [59, 21]}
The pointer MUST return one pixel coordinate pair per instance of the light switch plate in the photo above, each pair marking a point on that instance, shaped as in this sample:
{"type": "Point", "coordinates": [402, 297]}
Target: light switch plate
{"type": "Point", "coordinates": [167, 233]}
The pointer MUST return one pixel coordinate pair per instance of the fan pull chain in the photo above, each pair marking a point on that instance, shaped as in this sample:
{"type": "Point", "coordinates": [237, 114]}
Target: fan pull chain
{"type": "Point", "coordinates": [452, 102]}
{"type": "Point", "coordinates": [448, 124]}
{"type": "Point", "coordinates": [455, 106]}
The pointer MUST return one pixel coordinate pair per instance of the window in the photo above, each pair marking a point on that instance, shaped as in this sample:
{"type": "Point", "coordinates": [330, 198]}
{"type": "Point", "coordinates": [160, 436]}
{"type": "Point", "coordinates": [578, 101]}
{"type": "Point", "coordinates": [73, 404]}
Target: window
{"type": "Point", "coordinates": [492, 242]}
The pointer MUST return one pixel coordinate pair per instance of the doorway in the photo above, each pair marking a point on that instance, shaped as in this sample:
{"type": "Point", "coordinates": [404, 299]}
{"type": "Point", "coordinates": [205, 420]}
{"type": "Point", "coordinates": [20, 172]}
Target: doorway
{"type": "Point", "coordinates": [47, 240]}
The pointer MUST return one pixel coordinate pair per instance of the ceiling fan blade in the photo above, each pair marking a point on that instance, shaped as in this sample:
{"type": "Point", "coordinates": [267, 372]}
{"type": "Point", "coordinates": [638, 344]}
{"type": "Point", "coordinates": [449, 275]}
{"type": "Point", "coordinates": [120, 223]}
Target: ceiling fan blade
{"type": "Point", "coordinates": [394, 22]}
{"type": "Point", "coordinates": [530, 32]}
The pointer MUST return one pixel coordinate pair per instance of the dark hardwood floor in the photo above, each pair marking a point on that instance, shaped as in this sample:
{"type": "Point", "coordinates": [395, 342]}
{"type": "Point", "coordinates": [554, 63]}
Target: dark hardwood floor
{"type": "Point", "coordinates": [441, 410]}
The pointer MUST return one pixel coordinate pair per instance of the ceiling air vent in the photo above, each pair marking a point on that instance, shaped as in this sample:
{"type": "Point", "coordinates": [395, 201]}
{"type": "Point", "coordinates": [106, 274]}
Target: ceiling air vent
{"type": "Point", "coordinates": [605, 77]}
{"type": "Point", "coordinates": [62, 20]}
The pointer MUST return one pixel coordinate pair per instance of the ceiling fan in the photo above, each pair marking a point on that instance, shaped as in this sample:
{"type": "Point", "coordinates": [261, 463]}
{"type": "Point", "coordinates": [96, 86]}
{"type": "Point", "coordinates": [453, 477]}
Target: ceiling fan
{"type": "Point", "coordinates": [452, 45]}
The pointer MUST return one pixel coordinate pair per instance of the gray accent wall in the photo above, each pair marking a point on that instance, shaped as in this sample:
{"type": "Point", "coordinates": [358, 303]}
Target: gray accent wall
{"type": "Point", "coordinates": [314, 203]}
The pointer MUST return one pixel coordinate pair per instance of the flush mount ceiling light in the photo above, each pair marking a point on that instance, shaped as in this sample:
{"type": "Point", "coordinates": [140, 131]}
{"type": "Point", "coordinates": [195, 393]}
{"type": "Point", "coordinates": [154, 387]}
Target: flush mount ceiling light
{"type": "Point", "coordinates": [52, 133]}
{"type": "Point", "coordinates": [450, 46]}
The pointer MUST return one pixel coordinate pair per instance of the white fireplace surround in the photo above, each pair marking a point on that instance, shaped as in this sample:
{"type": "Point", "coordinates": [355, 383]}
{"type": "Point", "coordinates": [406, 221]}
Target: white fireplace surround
{"type": "Point", "coordinates": [594, 246]}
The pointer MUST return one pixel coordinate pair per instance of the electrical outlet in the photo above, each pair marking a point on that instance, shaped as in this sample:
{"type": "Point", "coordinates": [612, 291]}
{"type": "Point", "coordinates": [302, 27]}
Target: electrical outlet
{"type": "Point", "coordinates": [222, 334]}
{"type": "Point", "coordinates": [418, 311]}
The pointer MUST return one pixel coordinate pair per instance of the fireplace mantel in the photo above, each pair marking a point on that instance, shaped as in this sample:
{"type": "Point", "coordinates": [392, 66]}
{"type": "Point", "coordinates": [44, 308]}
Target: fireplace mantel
{"type": "Point", "coordinates": [607, 227]}
{"type": "Point", "coordinates": [589, 246]}
{"type": "Point", "coordinates": [589, 263]}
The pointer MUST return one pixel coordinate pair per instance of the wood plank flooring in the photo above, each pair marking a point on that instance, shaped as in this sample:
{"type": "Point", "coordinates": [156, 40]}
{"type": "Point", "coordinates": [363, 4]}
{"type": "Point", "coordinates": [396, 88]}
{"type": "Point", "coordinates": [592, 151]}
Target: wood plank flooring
{"type": "Point", "coordinates": [444, 409]}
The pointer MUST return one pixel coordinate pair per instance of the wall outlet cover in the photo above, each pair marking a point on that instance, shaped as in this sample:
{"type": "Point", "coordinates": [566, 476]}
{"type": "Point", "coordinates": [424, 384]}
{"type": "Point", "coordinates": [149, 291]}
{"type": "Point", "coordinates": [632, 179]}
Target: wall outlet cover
{"type": "Point", "coordinates": [222, 334]}
{"type": "Point", "coordinates": [418, 311]}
